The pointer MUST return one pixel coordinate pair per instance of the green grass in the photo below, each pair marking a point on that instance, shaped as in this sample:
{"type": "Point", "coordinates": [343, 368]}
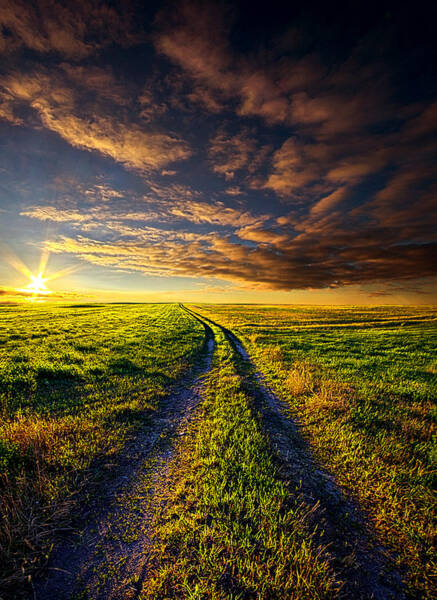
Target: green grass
{"type": "Point", "coordinates": [362, 381]}
{"type": "Point", "coordinates": [231, 529]}
{"type": "Point", "coordinates": [75, 383]}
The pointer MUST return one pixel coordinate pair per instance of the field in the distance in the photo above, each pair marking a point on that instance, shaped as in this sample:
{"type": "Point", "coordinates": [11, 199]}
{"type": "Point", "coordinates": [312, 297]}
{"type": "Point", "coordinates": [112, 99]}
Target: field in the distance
{"type": "Point", "coordinates": [237, 502]}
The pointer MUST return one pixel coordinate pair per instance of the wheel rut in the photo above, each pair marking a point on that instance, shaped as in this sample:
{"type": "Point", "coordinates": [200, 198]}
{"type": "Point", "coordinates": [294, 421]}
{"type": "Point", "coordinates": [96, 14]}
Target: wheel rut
{"type": "Point", "coordinates": [107, 559]}
{"type": "Point", "coordinates": [345, 535]}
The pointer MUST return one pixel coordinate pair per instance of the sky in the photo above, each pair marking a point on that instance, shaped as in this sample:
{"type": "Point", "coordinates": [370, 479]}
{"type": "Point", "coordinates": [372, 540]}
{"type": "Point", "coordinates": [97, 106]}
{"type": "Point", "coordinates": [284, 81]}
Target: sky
{"type": "Point", "coordinates": [219, 151]}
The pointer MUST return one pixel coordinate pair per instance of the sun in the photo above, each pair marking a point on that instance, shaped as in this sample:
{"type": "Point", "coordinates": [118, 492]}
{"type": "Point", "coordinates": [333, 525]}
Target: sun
{"type": "Point", "coordinates": [38, 285]}
{"type": "Point", "coordinates": [37, 289]}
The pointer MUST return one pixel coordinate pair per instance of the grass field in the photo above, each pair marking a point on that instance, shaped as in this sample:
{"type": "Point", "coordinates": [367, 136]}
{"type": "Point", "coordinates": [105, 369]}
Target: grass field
{"type": "Point", "coordinates": [75, 383]}
{"type": "Point", "coordinates": [362, 382]}
{"type": "Point", "coordinates": [239, 512]}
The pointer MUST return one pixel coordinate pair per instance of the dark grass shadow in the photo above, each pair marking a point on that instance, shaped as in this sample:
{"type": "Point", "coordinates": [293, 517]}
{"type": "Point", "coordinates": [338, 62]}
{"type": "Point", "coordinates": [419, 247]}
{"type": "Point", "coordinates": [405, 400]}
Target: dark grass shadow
{"type": "Point", "coordinates": [123, 366]}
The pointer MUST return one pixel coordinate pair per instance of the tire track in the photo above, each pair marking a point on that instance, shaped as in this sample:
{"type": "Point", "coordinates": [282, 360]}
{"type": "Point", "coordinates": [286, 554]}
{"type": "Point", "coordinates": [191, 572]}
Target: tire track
{"type": "Point", "coordinates": [107, 559]}
{"type": "Point", "coordinates": [363, 565]}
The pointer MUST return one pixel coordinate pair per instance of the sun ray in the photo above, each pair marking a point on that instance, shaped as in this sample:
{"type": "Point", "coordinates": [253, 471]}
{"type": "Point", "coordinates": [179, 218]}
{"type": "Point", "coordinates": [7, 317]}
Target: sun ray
{"type": "Point", "coordinates": [44, 260]}
{"type": "Point", "coordinates": [15, 262]}
{"type": "Point", "coordinates": [62, 273]}
{"type": "Point", "coordinates": [38, 283]}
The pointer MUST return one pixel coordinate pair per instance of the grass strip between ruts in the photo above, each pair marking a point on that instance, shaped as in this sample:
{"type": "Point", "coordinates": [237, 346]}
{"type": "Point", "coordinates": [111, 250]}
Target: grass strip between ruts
{"type": "Point", "coordinates": [229, 528]}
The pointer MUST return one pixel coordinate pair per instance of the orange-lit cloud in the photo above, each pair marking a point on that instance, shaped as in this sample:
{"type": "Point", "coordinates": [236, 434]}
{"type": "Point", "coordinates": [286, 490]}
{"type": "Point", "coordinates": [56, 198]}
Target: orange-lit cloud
{"type": "Point", "coordinates": [193, 211]}
{"type": "Point", "coordinates": [291, 169]}
{"type": "Point", "coordinates": [196, 37]}
{"type": "Point", "coordinates": [127, 144]}
{"type": "Point", "coordinates": [329, 202]}
{"type": "Point", "coordinates": [58, 104]}
{"type": "Point", "coordinates": [277, 262]}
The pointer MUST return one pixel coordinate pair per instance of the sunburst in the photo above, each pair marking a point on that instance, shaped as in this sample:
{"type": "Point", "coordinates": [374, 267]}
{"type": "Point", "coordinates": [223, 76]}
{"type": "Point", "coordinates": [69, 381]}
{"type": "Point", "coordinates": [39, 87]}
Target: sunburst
{"type": "Point", "coordinates": [37, 288]}
{"type": "Point", "coordinates": [38, 285]}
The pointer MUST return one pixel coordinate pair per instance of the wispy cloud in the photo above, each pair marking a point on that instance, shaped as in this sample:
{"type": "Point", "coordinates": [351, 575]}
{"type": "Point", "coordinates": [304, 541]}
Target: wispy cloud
{"type": "Point", "coordinates": [191, 211]}
{"type": "Point", "coordinates": [277, 261]}
{"type": "Point", "coordinates": [63, 108]}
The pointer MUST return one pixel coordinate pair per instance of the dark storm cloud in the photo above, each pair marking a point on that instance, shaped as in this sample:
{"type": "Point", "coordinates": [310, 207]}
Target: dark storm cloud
{"type": "Point", "coordinates": [296, 159]}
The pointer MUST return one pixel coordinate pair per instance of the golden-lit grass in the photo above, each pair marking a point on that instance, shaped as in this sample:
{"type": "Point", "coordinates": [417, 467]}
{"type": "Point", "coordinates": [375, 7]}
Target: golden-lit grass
{"type": "Point", "coordinates": [77, 381]}
{"type": "Point", "coordinates": [299, 379]}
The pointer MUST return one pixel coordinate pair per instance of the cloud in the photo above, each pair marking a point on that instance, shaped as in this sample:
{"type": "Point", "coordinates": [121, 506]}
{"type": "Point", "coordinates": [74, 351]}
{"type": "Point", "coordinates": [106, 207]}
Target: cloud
{"type": "Point", "coordinates": [303, 166]}
{"type": "Point", "coordinates": [290, 169]}
{"type": "Point", "coordinates": [8, 292]}
{"type": "Point", "coordinates": [150, 107]}
{"type": "Point", "coordinates": [179, 209]}
{"type": "Point", "coordinates": [234, 191]}
{"type": "Point", "coordinates": [204, 98]}
{"type": "Point", "coordinates": [125, 143]}
{"type": "Point", "coordinates": [103, 192]}
{"type": "Point", "coordinates": [173, 192]}
{"type": "Point", "coordinates": [331, 241]}
{"type": "Point", "coordinates": [215, 214]}
{"type": "Point", "coordinates": [380, 293]}
{"type": "Point", "coordinates": [263, 236]}
{"type": "Point", "coordinates": [329, 202]}
{"type": "Point", "coordinates": [100, 81]}
{"type": "Point", "coordinates": [74, 29]}
{"type": "Point", "coordinates": [348, 173]}
{"type": "Point", "coordinates": [343, 123]}
{"type": "Point", "coordinates": [324, 256]}
{"type": "Point", "coordinates": [275, 86]}
{"type": "Point", "coordinates": [194, 36]}
{"type": "Point", "coordinates": [231, 153]}
{"type": "Point", "coordinates": [56, 215]}
{"type": "Point", "coordinates": [423, 124]}
{"type": "Point", "coordinates": [60, 108]}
